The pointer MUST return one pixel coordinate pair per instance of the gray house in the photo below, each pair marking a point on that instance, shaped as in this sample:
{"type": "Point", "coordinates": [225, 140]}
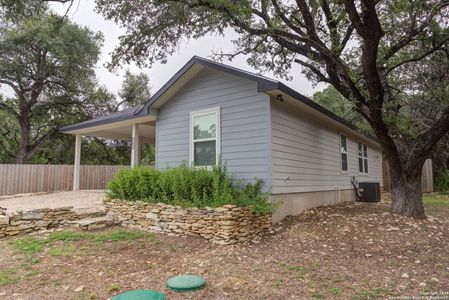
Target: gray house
{"type": "Point", "coordinates": [259, 127]}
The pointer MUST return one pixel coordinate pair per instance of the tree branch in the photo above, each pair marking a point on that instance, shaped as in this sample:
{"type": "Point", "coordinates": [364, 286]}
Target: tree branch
{"type": "Point", "coordinates": [36, 145]}
{"type": "Point", "coordinates": [435, 48]}
{"type": "Point", "coordinates": [431, 136]}
{"type": "Point", "coordinates": [315, 70]}
{"type": "Point", "coordinates": [13, 86]}
{"type": "Point", "coordinates": [10, 110]}
{"type": "Point", "coordinates": [413, 32]}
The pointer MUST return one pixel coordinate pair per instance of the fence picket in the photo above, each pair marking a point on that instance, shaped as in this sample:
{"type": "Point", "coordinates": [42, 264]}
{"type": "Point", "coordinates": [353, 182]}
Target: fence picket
{"type": "Point", "coordinates": [426, 179]}
{"type": "Point", "coordinates": [18, 179]}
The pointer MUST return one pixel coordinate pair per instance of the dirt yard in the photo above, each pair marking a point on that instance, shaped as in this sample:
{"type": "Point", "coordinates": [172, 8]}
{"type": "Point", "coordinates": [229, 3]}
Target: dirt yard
{"type": "Point", "coordinates": [351, 251]}
{"type": "Point", "coordinates": [53, 200]}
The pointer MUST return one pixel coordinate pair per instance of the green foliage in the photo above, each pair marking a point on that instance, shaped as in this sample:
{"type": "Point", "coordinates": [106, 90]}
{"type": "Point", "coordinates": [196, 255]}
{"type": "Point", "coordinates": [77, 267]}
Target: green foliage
{"type": "Point", "coordinates": [119, 235]}
{"type": "Point", "coordinates": [188, 187]}
{"type": "Point", "coordinates": [436, 201]}
{"type": "Point", "coordinates": [66, 236]}
{"type": "Point", "coordinates": [317, 295]}
{"type": "Point", "coordinates": [114, 288]}
{"type": "Point", "coordinates": [32, 245]}
{"type": "Point", "coordinates": [331, 99]}
{"type": "Point", "coordinates": [135, 89]}
{"type": "Point", "coordinates": [8, 277]}
{"type": "Point", "coordinates": [442, 181]}
{"type": "Point", "coordinates": [36, 43]}
{"type": "Point", "coordinates": [106, 236]}
{"type": "Point", "coordinates": [61, 251]}
{"type": "Point", "coordinates": [388, 58]}
{"type": "Point", "coordinates": [334, 290]}
{"type": "Point", "coordinates": [29, 245]}
{"type": "Point", "coordinates": [48, 63]}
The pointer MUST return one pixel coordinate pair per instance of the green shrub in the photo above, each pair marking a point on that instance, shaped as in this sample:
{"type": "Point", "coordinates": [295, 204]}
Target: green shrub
{"type": "Point", "coordinates": [188, 187]}
{"type": "Point", "coordinates": [442, 181]}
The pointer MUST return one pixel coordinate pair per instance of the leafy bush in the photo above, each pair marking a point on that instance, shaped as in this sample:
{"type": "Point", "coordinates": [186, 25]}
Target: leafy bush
{"type": "Point", "coordinates": [188, 187]}
{"type": "Point", "coordinates": [442, 181]}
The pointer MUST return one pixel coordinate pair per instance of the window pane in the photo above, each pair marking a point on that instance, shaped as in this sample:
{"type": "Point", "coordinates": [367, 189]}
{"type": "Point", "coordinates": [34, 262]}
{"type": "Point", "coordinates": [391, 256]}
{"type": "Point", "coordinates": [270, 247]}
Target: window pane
{"type": "Point", "coordinates": [204, 153]}
{"type": "Point", "coordinates": [204, 126]}
{"type": "Point", "coordinates": [366, 165]}
{"type": "Point", "coordinates": [360, 165]}
{"type": "Point", "coordinates": [343, 143]}
{"type": "Point", "coordinates": [344, 162]}
{"type": "Point", "coordinates": [365, 151]}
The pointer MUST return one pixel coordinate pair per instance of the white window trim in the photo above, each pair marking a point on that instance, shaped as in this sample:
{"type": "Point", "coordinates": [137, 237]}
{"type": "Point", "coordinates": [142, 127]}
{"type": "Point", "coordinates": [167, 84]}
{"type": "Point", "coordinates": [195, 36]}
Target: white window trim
{"type": "Point", "coordinates": [340, 152]}
{"type": "Point", "coordinates": [217, 138]}
{"type": "Point", "coordinates": [363, 158]}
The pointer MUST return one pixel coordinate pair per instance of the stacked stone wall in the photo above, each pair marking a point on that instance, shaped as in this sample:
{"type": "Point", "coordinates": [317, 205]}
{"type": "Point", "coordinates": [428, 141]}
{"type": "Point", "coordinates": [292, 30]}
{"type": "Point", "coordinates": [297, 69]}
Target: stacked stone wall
{"type": "Point", "coordinates": [228, 224]}
{"type": "Point", "coordinates": [28, 221]}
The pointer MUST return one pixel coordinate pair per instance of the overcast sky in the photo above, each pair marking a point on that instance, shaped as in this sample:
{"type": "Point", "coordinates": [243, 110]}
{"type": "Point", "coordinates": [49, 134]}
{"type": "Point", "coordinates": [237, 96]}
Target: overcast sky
{"type": "Point", "coordinates": [83, 13]}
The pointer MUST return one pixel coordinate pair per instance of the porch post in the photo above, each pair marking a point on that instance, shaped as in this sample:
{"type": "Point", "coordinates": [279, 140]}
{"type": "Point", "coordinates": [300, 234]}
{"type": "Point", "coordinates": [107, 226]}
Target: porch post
{"type": "Point", "coordinates": [76, 167]}
{"type": "Point", "coordinates": [135, 146]}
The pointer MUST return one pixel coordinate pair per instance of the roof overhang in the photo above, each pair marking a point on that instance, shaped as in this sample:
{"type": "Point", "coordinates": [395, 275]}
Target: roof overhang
{"type": "Point", "coordinates": [318, 112]}
{"type": "Point", "coordinates": [119, 130]}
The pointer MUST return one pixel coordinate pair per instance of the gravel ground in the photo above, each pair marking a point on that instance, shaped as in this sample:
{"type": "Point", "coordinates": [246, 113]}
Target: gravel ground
{"type": "Point", "coordinates": [53, 200]}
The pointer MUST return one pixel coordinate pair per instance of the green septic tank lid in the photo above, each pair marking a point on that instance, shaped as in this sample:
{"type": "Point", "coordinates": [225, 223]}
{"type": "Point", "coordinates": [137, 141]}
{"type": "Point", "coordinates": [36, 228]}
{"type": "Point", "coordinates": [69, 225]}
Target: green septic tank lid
{"type": "Point", "coordinates": [140, 295]}
{"type": "Point", "coordinates": [184, 283]}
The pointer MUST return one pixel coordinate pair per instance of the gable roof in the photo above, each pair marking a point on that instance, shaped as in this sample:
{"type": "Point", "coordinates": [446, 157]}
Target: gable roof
{"type": "Point", "coordinates": [264, 84]}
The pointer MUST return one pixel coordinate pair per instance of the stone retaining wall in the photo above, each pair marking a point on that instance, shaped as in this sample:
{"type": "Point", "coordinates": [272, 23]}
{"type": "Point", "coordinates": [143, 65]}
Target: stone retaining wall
{"type": "Point", "coordinates": [38, 219]}
{"type": "Point", "coordinates": [223, 225]}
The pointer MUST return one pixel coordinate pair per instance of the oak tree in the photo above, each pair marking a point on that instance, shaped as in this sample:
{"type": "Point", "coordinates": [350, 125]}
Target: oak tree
{"type": "Point", "coordinates": [48, 64]}
{"type": "Point", "coordinates": [360, 47]}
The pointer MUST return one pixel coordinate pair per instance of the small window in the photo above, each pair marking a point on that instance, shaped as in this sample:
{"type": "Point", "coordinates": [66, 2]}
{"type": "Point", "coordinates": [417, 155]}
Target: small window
{"type": "Point", "coordinates": [204, 137]}
{"type": "Point", "coordinates": [363, 158]}
{"type": "Point", "coordinates": [343, 153]}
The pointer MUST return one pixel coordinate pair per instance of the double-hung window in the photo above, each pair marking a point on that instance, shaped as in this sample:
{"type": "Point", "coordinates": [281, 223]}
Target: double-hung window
{"type": "Point", "coordinates": [363, 158]}
{"type": "Point", "coordinates": [343, 153]}
{"type": "Point", "coordinates": [205, 137]}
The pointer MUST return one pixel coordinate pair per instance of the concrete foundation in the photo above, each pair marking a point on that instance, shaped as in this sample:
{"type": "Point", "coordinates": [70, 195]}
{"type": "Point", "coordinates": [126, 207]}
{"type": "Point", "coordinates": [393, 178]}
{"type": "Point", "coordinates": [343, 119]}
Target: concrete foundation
{"type": "Point", "coordinates": [294, 204]}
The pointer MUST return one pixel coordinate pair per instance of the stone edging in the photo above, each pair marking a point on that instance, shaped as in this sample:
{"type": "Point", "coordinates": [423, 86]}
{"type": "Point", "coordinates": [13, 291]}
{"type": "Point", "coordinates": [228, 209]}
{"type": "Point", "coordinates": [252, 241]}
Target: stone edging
{"type": "Point", "coordinates": [228, 224]}
{"type": "Point", "coordinates": [34, 220]}
{"type": "Point", "coordinates": [22, 222]}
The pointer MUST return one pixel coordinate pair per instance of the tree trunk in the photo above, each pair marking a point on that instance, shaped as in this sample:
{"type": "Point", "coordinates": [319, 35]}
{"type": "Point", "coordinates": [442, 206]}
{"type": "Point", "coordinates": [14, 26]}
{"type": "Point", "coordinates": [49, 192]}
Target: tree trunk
{"type": "Point", "coordinates": [22, 153]}
{"type": "Point", "coordinates": [406, 194]}
{"type": "Point", "coordinates": [22, 156]}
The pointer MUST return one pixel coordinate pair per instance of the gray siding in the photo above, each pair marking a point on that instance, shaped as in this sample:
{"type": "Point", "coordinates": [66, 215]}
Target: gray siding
{"type": "Point", "coordinates": [306, 154]}
{"type": "Point", "coordinates": [245, 125]}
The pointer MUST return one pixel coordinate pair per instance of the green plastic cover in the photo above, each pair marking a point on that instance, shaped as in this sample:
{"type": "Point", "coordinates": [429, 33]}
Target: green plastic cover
{"type": "Point", "coordinates": [140, 295]}
{"type": "Point", "coordinates": [184, 283]}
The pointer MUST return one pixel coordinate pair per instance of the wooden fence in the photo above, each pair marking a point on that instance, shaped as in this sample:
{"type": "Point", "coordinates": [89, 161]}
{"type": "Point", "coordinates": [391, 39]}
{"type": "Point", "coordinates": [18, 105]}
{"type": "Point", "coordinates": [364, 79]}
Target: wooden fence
{"type": "Point", "coordinates": [426, 180]}
{"type": "Point", "coordinates": [18, 179]}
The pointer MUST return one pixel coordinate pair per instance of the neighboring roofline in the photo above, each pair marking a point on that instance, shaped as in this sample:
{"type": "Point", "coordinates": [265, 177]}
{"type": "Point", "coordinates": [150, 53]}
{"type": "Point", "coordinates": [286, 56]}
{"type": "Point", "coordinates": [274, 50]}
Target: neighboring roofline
{"type": "Point", "coordinates": [114, 117]}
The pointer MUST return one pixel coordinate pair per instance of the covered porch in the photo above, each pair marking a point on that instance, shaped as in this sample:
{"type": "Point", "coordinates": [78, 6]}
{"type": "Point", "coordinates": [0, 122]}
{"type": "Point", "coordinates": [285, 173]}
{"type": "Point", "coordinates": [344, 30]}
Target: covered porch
{"type": "Point", "coordinates": [131, 125]}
